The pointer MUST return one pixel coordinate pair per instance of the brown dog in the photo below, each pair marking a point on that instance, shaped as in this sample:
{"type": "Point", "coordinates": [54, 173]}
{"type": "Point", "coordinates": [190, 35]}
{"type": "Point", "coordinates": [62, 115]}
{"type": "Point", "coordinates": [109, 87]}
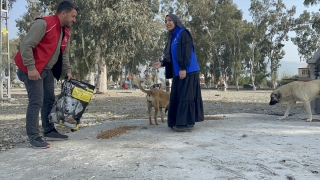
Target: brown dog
{"type": "Point", "coordinates": [158, 99]}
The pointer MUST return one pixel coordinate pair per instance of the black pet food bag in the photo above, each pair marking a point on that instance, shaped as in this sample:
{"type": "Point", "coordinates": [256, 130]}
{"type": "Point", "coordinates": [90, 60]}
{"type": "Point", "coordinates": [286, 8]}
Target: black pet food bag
{"type": "Point", "coordinates": [72, 102]}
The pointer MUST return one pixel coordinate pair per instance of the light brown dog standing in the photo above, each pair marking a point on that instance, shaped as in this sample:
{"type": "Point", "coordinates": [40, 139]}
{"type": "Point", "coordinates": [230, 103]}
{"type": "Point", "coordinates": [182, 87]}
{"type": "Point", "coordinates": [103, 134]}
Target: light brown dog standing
{"type": "Point", "coordinates": [158, 99]}
{"type": "Point", "coordinates": [296, 91]}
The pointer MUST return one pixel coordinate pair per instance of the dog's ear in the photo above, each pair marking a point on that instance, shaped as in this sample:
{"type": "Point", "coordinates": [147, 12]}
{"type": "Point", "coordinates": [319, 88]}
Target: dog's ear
{"type": "Point", "coordinates": [60, 102]}
{"type": "Point", "coordinates": [78, 108]}
{"type": "Point", "coordinates": [278, 95]}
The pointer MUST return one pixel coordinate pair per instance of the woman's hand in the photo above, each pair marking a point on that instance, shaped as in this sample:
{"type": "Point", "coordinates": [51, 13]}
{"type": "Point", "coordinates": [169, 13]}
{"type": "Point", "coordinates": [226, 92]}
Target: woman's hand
{"type": "Point", "coordinates": [182, 74]}
{"type": "Point", "coordinates": [156, 65]}
{"type": "Point", "coordinates": [69, 76]}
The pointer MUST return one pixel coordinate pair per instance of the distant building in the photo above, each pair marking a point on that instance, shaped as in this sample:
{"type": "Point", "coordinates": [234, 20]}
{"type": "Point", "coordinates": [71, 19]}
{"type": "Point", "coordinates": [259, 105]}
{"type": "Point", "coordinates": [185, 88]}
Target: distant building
{"type": "Point", "coordinates": [303, 71]}
{"type": "Point", "coordinates": [303, 74]}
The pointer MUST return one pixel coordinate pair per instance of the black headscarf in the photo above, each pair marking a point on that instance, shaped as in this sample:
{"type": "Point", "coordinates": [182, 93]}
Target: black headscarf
{"type": "Point", "coordinates": [176, 22]}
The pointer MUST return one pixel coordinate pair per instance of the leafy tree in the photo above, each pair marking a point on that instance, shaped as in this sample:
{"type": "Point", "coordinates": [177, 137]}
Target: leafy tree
{"type": "Point", "coordinates": [109, 36]}
{"type": "Point", "coordinates": [307, 37]}
{"type": "Point", "coordinates": [13, 44]}
{"type": "Point", "coordinates": [279, 24]}
{"type": "Point", "coordinates": [199, 25]}
{"type": "Point", "coordinates": [311, 2]}
{"type": "Point", "coordinates": [278, 21]}
{"type": "Point", "coordinates": [226, 13]}
{"type": "Point", "coordinates": [211, 23]}
{"type": "Point", "coordinates": [8, 63]}
{"type": "Point", "coordinates": [257, 30]}
{"type": "Point", "coordinates": [10, 2]}
{"type": "Point", "coordinates": [238, 45]}
{"type": "Point", "coordinates": [35, 9]}
{"type": "Point", "coordinates": [119, 38]}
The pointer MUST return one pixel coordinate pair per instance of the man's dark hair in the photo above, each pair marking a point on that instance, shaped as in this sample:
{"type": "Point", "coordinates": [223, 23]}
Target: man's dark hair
{"type": "Point", "coordinates": [66, 6]}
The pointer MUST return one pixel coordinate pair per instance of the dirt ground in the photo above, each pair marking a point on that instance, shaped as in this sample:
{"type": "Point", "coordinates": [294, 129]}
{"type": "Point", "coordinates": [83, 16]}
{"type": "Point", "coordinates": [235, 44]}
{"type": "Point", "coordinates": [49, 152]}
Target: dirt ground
{"type": "Point", "coordinates": [240, 139]}
{"type": "Point", "coordinates": [125, 105]}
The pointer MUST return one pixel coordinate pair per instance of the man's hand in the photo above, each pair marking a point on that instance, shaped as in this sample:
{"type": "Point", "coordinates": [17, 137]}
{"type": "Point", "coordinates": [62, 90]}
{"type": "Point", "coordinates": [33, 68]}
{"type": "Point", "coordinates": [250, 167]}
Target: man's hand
{"type": "Point", "coordinates": [69, 76]}
{"type": "Point", "coordinates": [34, 75]}
{"type": "Point", "coordinates": [182, 74]}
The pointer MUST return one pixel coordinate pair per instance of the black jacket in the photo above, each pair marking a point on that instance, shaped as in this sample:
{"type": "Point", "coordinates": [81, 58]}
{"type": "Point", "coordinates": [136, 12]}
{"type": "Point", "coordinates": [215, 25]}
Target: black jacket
{"type": "Point", "coordinates": [183, 54]}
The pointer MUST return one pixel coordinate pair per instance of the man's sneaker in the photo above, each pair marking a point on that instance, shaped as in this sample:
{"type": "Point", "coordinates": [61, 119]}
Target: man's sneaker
{"type": "Point", "coordinates": [54, 135]}
{"type": "Point", "coordinates": [39, 143]}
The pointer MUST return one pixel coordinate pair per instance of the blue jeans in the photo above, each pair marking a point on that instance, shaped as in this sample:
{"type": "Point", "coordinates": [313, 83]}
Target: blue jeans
{"type": "Point", "coordinates": [41, 96]}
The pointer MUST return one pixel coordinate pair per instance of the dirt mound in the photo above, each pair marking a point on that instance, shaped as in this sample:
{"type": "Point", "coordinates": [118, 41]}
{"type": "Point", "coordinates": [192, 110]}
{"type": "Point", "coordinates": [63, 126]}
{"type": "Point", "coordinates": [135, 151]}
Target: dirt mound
{"type": "Point", "coordinates": [115, 132]}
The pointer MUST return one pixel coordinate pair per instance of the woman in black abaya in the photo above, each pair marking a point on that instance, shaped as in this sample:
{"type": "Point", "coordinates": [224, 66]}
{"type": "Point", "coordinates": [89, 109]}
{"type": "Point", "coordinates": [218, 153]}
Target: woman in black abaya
{"type": "Point", "coordinates": [180, 62]}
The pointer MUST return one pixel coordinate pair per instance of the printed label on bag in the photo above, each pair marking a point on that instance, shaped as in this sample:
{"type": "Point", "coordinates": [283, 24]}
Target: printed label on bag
{"type": "Point", "coordinates": [81, 94]}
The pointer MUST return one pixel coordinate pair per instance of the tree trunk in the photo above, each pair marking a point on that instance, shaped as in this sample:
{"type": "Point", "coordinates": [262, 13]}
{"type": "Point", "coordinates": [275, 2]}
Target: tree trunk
{"type": "Point", "coordinates": [273, 79]}
{"type": "Point", "coordinates": [127, 78]}
{"type": "Point", "coordinates": [91, 78]}
{"type": "Point", "coordinates": [84, 53]}
{"type": "Point", "coordinates": [252, 76]}
{"type": "Point", "coordinates": [102, 74]}
{"type": "Point", "coordinates": [252, 73]}
{"type": "Point", "coordinates": [77, 73]}
{"type": "Point", "coordinates": [237, 82]}
{"type": "Point", "coordinates": [224, 79]}
{"type": "Point", "coordinates": [273, 74]}
{"type": "Point", "coordinates": [252, 80]}
{"type": "Point", "coordinates": [239, 61]}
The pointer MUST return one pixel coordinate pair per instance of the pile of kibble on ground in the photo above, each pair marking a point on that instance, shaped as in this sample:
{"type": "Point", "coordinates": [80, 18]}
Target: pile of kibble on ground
{"type": "Point", "coordinates": [115, 132]}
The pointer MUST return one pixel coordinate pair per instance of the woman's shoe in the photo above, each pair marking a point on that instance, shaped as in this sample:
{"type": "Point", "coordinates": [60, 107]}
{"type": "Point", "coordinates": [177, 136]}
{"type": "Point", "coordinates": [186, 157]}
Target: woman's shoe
{"type": "Point", "coordinates": [183, 127]}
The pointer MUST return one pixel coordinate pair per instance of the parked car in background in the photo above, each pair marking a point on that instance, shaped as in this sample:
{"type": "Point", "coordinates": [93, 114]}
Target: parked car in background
{"type": "Point", "coordinates": [111, 87]}
{"type": "Point", "coordinates": [247, 86]}
{"type": "Point", "coordinates": [134, 86]}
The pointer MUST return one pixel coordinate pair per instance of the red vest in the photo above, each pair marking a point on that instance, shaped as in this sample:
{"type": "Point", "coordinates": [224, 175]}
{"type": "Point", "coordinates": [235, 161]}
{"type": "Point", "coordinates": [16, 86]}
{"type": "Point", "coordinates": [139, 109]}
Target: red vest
{"type": "Point", "coordinates": [43, 52]}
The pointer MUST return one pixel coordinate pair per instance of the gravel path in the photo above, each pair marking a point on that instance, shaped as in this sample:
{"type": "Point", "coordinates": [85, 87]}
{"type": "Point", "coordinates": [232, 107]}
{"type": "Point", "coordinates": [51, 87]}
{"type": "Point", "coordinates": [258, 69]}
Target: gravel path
{"type": "Point", "coordinates": [125, 105]}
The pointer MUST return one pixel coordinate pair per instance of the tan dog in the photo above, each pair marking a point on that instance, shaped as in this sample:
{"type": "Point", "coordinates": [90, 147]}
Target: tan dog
{"type": "Point", "coordinates": [296, 91]}
{"type": "Point", "coordinates": [158, 99]}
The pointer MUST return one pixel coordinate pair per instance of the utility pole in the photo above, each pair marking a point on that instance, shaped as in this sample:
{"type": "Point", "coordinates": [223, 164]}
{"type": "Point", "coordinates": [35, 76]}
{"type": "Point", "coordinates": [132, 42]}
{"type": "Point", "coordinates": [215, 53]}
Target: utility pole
{"type": "Point", "coordinates": [5, 93]}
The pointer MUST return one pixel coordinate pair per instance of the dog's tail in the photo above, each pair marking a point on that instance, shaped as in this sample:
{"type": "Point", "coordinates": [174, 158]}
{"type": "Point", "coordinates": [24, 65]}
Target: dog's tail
{"type": "Point", "coordinates": [166, 109]}
{"type": "Point", "coordinates": [141, 88]}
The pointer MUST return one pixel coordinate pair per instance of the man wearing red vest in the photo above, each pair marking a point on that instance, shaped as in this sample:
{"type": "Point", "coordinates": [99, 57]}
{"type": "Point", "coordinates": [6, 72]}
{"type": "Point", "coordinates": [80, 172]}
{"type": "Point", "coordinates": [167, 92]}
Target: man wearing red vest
{"type": "Point", "coordinates": [43, 54]}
